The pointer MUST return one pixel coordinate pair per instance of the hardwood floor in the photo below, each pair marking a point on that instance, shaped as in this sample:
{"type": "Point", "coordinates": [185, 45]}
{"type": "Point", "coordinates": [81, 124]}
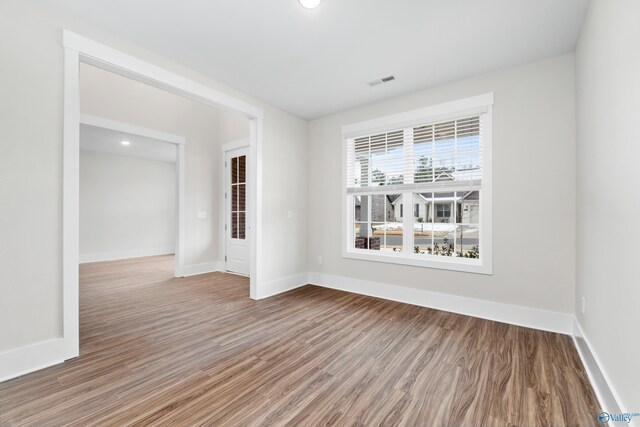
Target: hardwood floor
{"type": "Point", "coordinates": [157, 350]}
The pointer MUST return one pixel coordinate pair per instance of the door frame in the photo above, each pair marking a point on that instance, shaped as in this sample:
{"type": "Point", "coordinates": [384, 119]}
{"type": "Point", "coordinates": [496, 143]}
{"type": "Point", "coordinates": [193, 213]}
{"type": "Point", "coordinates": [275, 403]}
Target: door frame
{"type": "Point", "coordinates": [224, 185]}
{"type": "Point", "coordinates": [78, 49]}
{"type": "Point", "coordinates": [176, 140]}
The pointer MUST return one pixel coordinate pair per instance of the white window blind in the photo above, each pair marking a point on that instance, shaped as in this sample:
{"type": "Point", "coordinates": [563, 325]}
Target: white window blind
{"type": "Point", "coordinates": [376, 159]}
{"type": "Point", "coordinates": [430, 156]}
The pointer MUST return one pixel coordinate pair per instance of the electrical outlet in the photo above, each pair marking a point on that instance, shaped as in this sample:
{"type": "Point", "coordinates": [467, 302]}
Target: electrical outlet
{"type": "Point", "coordinates": [319, 259]}
{"type": "Point", "coordinates": [584, 305]}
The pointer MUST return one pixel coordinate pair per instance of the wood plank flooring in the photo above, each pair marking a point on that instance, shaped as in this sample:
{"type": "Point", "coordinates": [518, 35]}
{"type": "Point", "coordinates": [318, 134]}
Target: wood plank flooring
{"type": "Point", "coordinates": [156, 350]}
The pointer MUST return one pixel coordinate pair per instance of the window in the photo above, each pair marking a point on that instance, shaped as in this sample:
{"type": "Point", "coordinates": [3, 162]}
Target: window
{"type": "Point", "coordinates": [435, 160]}
{"type": "Point", "coordinates": [443, 211]}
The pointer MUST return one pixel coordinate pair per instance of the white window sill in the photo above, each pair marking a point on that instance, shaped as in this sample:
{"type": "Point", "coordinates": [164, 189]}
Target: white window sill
{"type": "Point", "coordinates": [429, 261]}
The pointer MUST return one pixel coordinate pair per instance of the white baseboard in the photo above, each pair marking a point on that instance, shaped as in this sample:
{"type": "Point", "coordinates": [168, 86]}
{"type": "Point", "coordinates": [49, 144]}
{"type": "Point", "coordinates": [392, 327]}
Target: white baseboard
{"type": "Point", "coordinates": [23, 360]}
{"type": "Point", "coordinates": [135, 253]}
{"type": "Point", "coordinates": [207, 267]}
{"type": "Point", "coordinates": [506, 313]}
{"type": "Point", "coordinates": [607, 396]}
{"type": "Point", "coordinates": [279, 286]}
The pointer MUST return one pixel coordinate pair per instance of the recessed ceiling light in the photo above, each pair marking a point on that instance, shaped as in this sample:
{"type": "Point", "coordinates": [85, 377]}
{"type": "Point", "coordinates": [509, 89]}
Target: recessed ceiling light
{"type": "Point", "coordinates": [309, 4]}
{"type": "Point", "coordinates": [125, 143]}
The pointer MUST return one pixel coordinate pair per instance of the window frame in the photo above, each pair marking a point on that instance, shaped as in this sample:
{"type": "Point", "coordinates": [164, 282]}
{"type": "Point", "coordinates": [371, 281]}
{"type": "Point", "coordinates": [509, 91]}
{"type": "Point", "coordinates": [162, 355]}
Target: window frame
{"type": "Point", "coordinates": [481, 105]}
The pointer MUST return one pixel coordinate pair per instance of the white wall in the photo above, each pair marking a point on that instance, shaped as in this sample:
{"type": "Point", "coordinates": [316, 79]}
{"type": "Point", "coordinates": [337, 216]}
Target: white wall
{"type": "Point", "coordinates": [108, 95]}
{"type": "Point", "coordinates": [31, 97]}
{"type": "Point", "coordinates": [533, 160]}
{"type": "Point", "coordinates": [608, 117]}
{"type": "Point", "coordinates": [127, 206]}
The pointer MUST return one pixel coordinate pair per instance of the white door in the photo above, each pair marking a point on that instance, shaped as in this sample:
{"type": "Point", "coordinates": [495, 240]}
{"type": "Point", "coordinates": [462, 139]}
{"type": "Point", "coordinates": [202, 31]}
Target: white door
{"type": "Point", "coordinates": [237, 236]}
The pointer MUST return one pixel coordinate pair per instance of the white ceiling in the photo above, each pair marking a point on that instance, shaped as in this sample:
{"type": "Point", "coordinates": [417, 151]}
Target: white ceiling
{"type": "Point", "coordinates": [93, 138]}
{"type": "Point", "coordinates": [315, 62]}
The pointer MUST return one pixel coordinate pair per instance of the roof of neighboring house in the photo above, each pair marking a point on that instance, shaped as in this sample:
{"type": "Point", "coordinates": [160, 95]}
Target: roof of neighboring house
{"type": "Point", "coordinates": [469, 196]}
{"type": "Point", "coordinates": [444, 176]}
{"type": "Point", "coordinates": [415, 195]}
{"type": "Point", "coordinates": [358, 201]}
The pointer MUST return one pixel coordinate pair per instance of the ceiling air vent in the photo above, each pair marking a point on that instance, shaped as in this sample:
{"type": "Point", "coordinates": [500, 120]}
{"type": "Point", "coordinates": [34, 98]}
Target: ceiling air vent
{"type": "Point", "coordinates": [382, 80]}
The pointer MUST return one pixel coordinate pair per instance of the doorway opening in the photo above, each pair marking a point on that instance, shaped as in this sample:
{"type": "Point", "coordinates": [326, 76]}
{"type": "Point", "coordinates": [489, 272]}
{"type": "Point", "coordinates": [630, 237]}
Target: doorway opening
{"type": "Point", "coordinates": [132, 188]}
{"type": "Point", "coordinates": [79, 50]}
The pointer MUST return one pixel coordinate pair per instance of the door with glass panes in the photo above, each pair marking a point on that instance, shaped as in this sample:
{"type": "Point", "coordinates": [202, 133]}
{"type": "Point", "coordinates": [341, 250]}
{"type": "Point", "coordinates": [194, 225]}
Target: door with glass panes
{"type": "Point", "coordinates": [237, 235]}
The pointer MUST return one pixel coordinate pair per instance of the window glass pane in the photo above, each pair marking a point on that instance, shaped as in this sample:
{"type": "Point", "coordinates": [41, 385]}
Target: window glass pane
{"type": "Point", "coordinates": [378, 159]}
{"type": "Point", "coordinates": [384, 230]}
{"type": "Point", "coordinates": [377, 155]}
{"type": "Point", "coordinates": [443, 207]}
{"type": "Point", "coordinates": [242, 197]}
{"type": "Point", "coordinates": [241, 225]}
{"type": "Point", "coordinates": [392, 236]}
{"type": "Point", "coordinates": [424, 201]}
{"type": "Point", "coordinates": [436, 232]}
{"type": "Point", "coordinates": [468, 241]}
{"type": "Point", "coordinates": [468, 207]}
{"type": "Point", "coordinates": [234, 170]}
{"type": "Point", "coordinates": [357, 208]}
{"type": "Point", "coordinates": [377, 235]}
{"type": "Point", "coordinates": [361, 208]}
{"type": "Point", "coordinates": [468, 150]}
{"type": "Point", "coordinates": [234, 198]}
{"type": "Point", "coordinates": [378, 208]}
{"type": "Point", "coordinates": [423, 167]}
{"type": "Point", "coordinates": [444, 151]}
{"type": "Point", "coordinates": [395, 153]}
{"type": "Point", "coordinates": [422, 238]}
{"type": "Point", "coordinates": [443, 239]}
{"type": "Point", "coordinates": [242, 168]}
{"type": "Point", "coordinates": [394, 207]}
{"type": "Point", "coordinates": [361, 234]}
{"type": "Point", "coordinates": [361, 169]}
{"type": "Point", "coordinates": [423, 154]}
{"type": "Point", "coordinates": [422, 225]}
{"type": "Point", "coordinates": [234, 225]}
